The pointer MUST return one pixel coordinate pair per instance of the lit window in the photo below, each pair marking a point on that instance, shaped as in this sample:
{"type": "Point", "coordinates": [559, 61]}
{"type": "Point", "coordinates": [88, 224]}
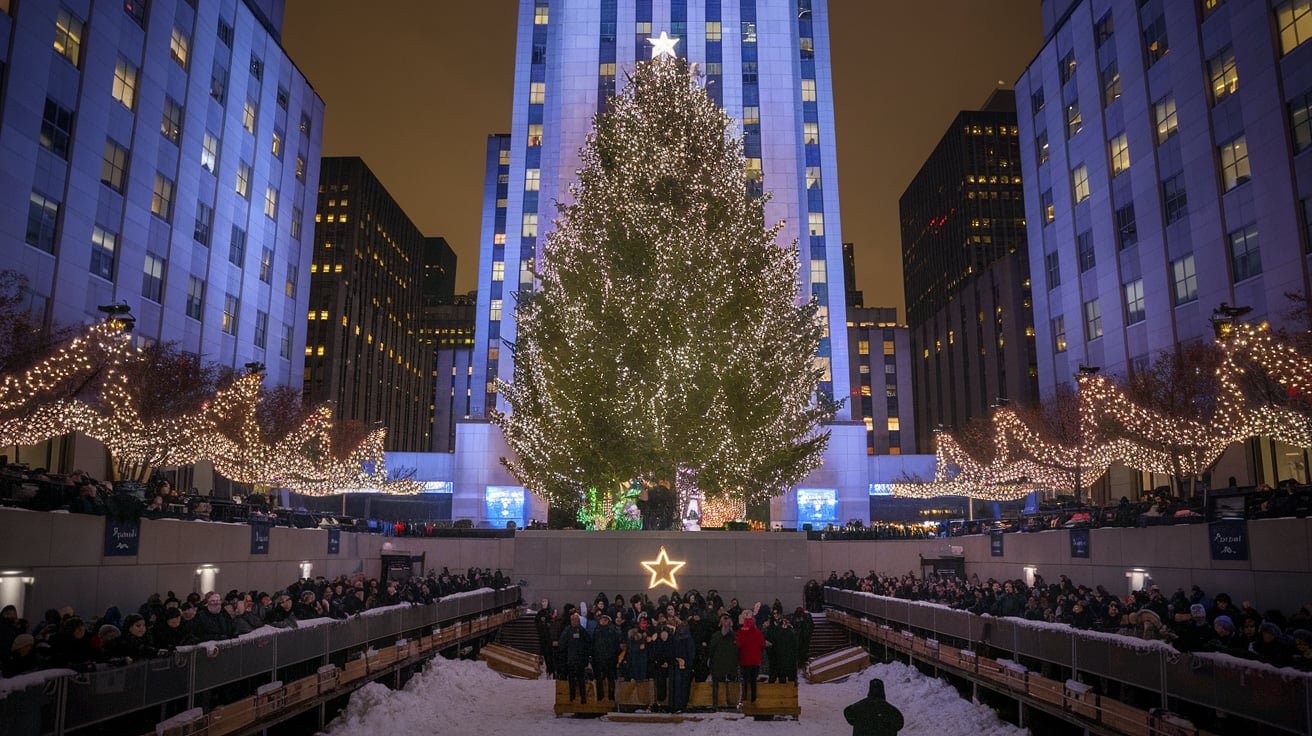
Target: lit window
{"type": "Point", "coordinates": [819, 273]}
{"type": "Point", "coordinates": [1234, 162]}
{"type": "Point", "coordinates": [530, 226]}
{"type": "Point", "coordinates": [537, 93]}
{"type": "Point", "coordinates": [1080, 183]}
{"type": "Point", "coordinates": [266, 265]}
{"type": "Point", "coordinates": [1041, 147]}
{"type": "Point", "coordinates": [863, 347]}
{"type": "Point", "coordinates": [821, 363]}
{"type": "Point", "coordinates": [1092, 320]}
{"type": "Point", "coordinates": [1185, 280]}
{"type": "Point", "coordinates": [248, 116]}
{"type": "Point", "coordinates": [1111, 83]}
{"type": "Point", "coordinates": [890, 347]}
{"type": "Point", "coordinates": [713, 32]}
{"type": "Point", "coordinates": [1066, 67]}
{"type": "Point", "coordinates": [180, 47]}
{"type": "Point", "coordinates": [161, 201]}
{"type": "Point", "coordinates": [1046, 204]}
{"type": "Point", "coordinates": [125, 83]}
{"type": "Point", "coordinates": [68, 36]}
{"type": "Point", "coordinates": [1293, 18]}
{"type": "Point", "coordinates": [1225, 79]}
{"type": "Point", "coordinates": [815, 223]}
{"type": "Point", "coordinates": [1134, 302]}
{"type": "Point", "coordinates": [606, 70]}
{"type": "Point", "coordinates": [243, 182]}
{"type": "Point", "coordinates": [534, 134]}
{"type": "Point", "coordinates": [494, 310]}
{"type": "Point", "coordinates": [170, 125]}
{"type": "Point", "coordinates": [230, 308]}
{"type": "Point", "coordinates": [894, 424]}
{"type": "Point", "coordinates": [751, 115]}
{"type": "Point", "coordinates": [113, 170]}
{"type": "Point", "coordinates": [811, 133]}
{"type": "Point", "coordinates": [1155, 39]}
{"type": "Point", "coordinates": [1167, 122]}
{"type": "Point", "coordinates": [271, 203]}
{"type": "Point", "coordinates": [532, 179]}
{"type": "Point", "coordinates": [1059, 334]}
{"type": "Point", "coordinates": [275, 145]}
{"type": "Point", "coordinates": [498, 270]}
{"type": "Point", "coordinates": [498, 238]}
{"type": "Point", "coordinates": [1074, 122]}
{"type": "Point", "coordinates": [1119, 148]}
{"type": "Point", "coordinates": [209, 152]}
{"type": "Point", "coordinates": [753, 169]}
{"type": "Point", "coordinates": [749, 32]}
{"type": "Point", "coordinates": [540, 15]}
{"type": "Point", "coordinates": [808, 90]}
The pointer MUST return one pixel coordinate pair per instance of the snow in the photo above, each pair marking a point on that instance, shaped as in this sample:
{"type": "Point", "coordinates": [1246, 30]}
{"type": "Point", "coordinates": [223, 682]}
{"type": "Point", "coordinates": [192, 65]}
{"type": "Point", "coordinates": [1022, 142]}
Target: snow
{"type": "Point", "coordinates": [26, 680]}
{"type": "Point", "coordinates": [455, 692]}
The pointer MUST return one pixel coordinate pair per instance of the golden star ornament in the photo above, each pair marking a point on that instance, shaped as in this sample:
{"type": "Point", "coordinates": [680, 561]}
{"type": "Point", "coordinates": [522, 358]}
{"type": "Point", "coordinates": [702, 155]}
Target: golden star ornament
{"type": "Point", "coordinates": [662, 570]}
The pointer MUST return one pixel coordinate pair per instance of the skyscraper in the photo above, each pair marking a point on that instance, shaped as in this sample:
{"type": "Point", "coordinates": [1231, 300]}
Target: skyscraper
{"type": "Point", "coordinates": [765, 61]}
{"type": "Point", "coordinates": [881, 379]}
{"type": "Point", "coordinates": [159, 154]}
{"type": "Point", "coordinates": [364, 351]}
{"type": "Point", "coordinates": [966, 268]}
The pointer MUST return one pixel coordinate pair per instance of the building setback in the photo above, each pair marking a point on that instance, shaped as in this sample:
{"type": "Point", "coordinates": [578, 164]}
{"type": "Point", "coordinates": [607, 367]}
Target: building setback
{"type": "Point", "coordinates": [364, 352]}
{"type": "Point", "coordinates": [452, 328]}
{"type": "Point", "coordinates": [966, 270]}
{"type": "Point", "coordinates": [158, 154]}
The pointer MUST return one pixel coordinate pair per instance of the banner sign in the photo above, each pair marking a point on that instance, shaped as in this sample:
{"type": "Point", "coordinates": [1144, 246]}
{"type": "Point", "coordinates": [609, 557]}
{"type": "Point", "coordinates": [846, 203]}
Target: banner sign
{"type": "Point", "coordinates": [122, 537]}
{"type": "Point", "coordinates": [1228, 539]}
{"type": "Point", "coordinates": [995, 543]}
{"type": "Point", "coordinates": [1080, 543]}
{"type": "Point", "coordinates": [260, 537]}
{"type": "Point", "coordinates": [334, 541]}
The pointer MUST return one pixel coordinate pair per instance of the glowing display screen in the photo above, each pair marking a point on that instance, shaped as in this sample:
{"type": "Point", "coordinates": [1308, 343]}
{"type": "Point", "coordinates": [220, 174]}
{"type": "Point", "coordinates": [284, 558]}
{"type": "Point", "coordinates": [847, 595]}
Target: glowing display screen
{"type": "Point", "coordinates": [817, 506]}
{"type": "Point", "coordinates": [504, 503]}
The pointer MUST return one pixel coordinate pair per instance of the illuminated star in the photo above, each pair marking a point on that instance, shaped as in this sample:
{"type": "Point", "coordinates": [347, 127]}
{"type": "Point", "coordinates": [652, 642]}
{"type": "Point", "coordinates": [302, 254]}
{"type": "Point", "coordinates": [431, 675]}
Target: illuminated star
{"type": "Point", "coordinates": [662, 45]}
{"type": "Point", "coordinates": [662, 569]}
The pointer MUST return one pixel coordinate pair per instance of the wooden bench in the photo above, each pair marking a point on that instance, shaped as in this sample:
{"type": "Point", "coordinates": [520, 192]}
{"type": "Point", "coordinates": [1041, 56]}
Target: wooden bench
{"type": "Point", "coordinates": [774, 699]}
{"type": "Point", "coordinates": [511, 662]}
{"type": "Point", "coordinates": [566, 706]}
{"type": "Point", "coordinates": [699, 697]}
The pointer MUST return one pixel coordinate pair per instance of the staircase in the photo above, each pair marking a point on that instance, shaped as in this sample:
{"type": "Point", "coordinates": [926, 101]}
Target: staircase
{"type": "Point", "coordinates": [826, 637]}
{"type": "Point", "coordinates": [521, 634]}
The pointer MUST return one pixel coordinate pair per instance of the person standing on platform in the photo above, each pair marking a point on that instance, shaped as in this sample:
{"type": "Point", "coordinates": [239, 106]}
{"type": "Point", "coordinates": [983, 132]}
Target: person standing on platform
{"type": "Point", "coordinates": [542, 624]}
{"type": "Point", "coordinates": [660, 656]}
{"type": "Point", "coordinates": [783, 651]}
{"type": "Point", "coordinates": [605, 655]}
{"type": "Point", "coordinates": [723, 654]}
{"type": "Point", "coordinates": [635, 652]}
{"type": "Point", "coordinates": [575, 647]}
{"type": "Point", "coordinates": [873, 715]}
{"type": "Point", "coordinates": [750, 644]}
{"type": "Point", "coordinates": [681, 670]}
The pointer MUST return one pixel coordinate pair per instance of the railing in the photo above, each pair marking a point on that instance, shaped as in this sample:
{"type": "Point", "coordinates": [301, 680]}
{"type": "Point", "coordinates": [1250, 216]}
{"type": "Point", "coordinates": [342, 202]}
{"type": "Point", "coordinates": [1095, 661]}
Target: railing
{"type": "Point", "coordinates": [1281, 699]}
{"type": "Point", "coordinates": [191, 678]}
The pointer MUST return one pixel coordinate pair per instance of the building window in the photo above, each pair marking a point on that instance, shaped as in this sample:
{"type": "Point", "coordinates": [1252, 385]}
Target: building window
{"type": "Point", "coordinates": [532, 179]}
{"type": "Point", "coordinates": [103, 245]}
{"type": "Point", "coordinates": [161, 201]}
{"type": "Point", "coordinates": [1084, 249]}
{"type": "Point", "coordinates": [170, 125]}
{"type": "Point", "coordinates": [752, 169]}
{"type": "Point", "coordinates": [136, 10]}
{"type": "Point", "coordinates": [1041, 147]}
{"type": "Point", "coordinates": [218, 80]}
{"type": "Point", "coordinates": [271, 203]}
{"type": "Point", "coordinates": [300, 168]}
{"type": "Point", "coordinates": [1103, 29]}
{"type": "Point", "coordinates": [534, 134]}
{"type": "Point", "coordinates": [275, 144]}
{"type": "Point", "coordinates": [248, 112]}
{"type": "Point", "coordinates": [1036, 101]}
{"type": "Point", "coordinates": [266, 265]}
{"type": "Point", "coordinates": [815, 223]}
{"type": "Point", "coordinates": [257, 68]}
{"type": "Point", "coordinates": [180, 47]}
{"type": "Point", "coordinates": [1234, 163]}
{"type": "Point", "coordinates": [1127, 231]}
{"type": "Point", "coordinates": [1174, 198]}
{"type": "Point", "coordinates": [894, 424]}
{"type": "Point", "coordinates": [537, 93]}
{"type": "Point", "coordinates": [1184, 279]}
{"type": "Point", "coordinates": [306, 123]}
{"type": "Point", "coordinates": [1119, 149]}
{"type": "Point", "coordinates": [1134, 302]}
{"type": "Point", "coordinates": [243, 182]}
{"type": "Point", "coordinates": [1155, 41]}
{"type": "Point", "coordinates": [1245, 256]}
{"type": "Point", "coordinates": [282, 98]}
{"type": "Point", "coordinates": [68, 36]}
{"type": "Point", "coordinates": [1164, 114]}
{"type": "Point", "coordinates": [152, 283]}
{"type": "Point", "coordinates": [1045, 204]}
{"type": "Point", "coordinates": [862, 347]}
{"type": "Point", "coordinates": [1300, 121]}
{"type": "Point", "coordinates": [42, 216]}
{"type": "Point", "coordinates": [494, 310]}
{"type": "Point", "coordinates": [296, 223]}
{"type": "Point", "coordinates": [195, 297]}
{"type": "Point", "coordinates": [230, 309]}
{"type": "Point", "coordinates": [1225, 80]}
{"type": "Point", "coordinates": [530, 225]}
{"type": "Point", "coordinates": [114, 167]}
{"type": "Point", "coordinates": [540, 15]}
{"type": "Point", "coordinates": [289, 287]}
{"type": "Point", "coordinates": [204, 220]}
{"type": "Point", "coordinates": [1092, 320]}
{"type": "Point", "coordinates": [1293, 18]}
{"type": "Point", "coordinates": [56, 128]}
{"type": "Point", "coordinates": [285, 348]}
{"type": "Point", "coordinates": [1059, 334]}
{"type": "Point", "coordinates": [261, 329]}
{"type": "Point", "coordinates": [1111, 83]}
{"type": "Point", "coordinates": [209, 152]}
{"type": "Point", "coordinates": [1052, 267]}
{"type": "Point", "coordinates": [808, 90]}
{"type": "Point", "coordinates": [1066, 67]}
{"type": "Point", "coordinates": [1307, 221]}
{"type": "Point", "coordinates": [1074, 123]}
{"type": "Point", "coordinates": [498, 270]}
{"type": "Point", "coordinates": [225, 33]}
{"type": "Point", "coordinates": [1080, 183]}
{"type": "Point", "coordinates": [124, 88]}
{"type": "Point", "coordinates": [237, 247]}
{"type": "Point", "coordinates": [810, 131]}
{"type": "Point", "coordinates": [819, 272]}
{"type": "Point", "coordinates": [813, 177]}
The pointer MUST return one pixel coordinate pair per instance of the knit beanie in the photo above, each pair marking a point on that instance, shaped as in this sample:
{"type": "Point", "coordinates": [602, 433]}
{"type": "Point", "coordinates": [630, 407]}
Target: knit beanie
{"type": "Point", "coordinates": [1225, 623]}
{"type": "Point", "coordinates": [1197, 611]}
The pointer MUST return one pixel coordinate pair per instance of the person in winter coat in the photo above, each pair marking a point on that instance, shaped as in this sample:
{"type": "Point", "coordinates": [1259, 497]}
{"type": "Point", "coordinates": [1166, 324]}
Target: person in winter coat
{"type": "Point", "coordinates": [71, 647]}
{"type": "Point", "coordinates": [212, 623]}
{"type": "Point", "coordinates": [11, 627]}
{"type": "Point", "coordinates": [542, 625]}
{"type": "Point", "coordinates": [169, 633]}
{"type": "Point", "coordinates": [635, 652]}
{"type": "Point", "coordinates": [1272, 646]}
{"type": "Point", "coordinates": [1009, 603]}
{"type": "Point", "coordinates": [660, 658]}
{"type": "Point", "coordinates": [681, 670]}
{"type": "Point", "coordinates": [606, 640]}
{"type": "Point", "coordinates": [21, 656]}
{"type": "Point", "coordinates": [1194, 634]}
{"type": "Point", "coordinates": [281, 616]}
{"type": "Point", "coordinates": [575, 646]}
{"type": "Point", "coordinates": [804, 627]}
{"type": "Point", "coordinates": [723, 654]}
{"type": "Point", "coordinates": [750, 646]}
{"type": "Point", "coordinates": [782, 641]}
{"type": "Point", "coordinates": [873, 715]}
{"type": "Point", "coordinates": [135, 642]}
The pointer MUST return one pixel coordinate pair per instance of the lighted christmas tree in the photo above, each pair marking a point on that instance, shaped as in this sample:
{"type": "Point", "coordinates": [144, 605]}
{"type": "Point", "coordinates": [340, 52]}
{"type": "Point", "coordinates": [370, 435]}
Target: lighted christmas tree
{"type": "Point", "coordinates": [667, 338]}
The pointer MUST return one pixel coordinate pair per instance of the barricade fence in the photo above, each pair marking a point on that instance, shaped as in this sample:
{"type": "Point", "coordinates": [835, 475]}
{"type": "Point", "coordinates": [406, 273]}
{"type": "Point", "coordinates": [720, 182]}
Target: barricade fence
{"type": "Point", "coordinates": [77, 701]}
{"type": "Point", "coordinates": [1277, 698]}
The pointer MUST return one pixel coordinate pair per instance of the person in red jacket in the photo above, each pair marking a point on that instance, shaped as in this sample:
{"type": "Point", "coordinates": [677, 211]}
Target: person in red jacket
{"type": "Point", "coordinates": [750, 643]}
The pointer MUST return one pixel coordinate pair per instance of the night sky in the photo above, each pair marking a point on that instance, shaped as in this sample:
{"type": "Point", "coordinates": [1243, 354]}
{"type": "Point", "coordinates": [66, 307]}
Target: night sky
{"type": "Point", "coordinates": [415, 86]}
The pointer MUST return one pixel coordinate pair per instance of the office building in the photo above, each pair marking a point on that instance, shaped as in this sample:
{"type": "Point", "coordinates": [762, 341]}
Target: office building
{"type": "Point", "coordinates": [854, 298]}
{"type": "Point", "coordinates": [439, 272]}
{"type": "Point", "coordinates": [881, 379]}
{"type": "Point", "coordinates": [966, 269]}
{"type": "Point", "coordinates": [364, 352]}
{"type": "Point", "coordinates": [449, 329]}
{"type": "Point", "coordinates": [159, 155]}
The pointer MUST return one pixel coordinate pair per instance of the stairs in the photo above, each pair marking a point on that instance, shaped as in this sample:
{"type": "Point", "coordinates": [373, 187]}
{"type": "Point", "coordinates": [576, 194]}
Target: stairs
{"type": "Point", "coordinates": [520, 634]}
{"type": "Point", "coordinates": [827, 637]}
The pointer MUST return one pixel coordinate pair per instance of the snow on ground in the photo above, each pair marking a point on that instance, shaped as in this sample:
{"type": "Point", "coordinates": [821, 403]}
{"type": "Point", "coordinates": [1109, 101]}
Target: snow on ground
{"type": "Point", "coordinates": [465, 697]}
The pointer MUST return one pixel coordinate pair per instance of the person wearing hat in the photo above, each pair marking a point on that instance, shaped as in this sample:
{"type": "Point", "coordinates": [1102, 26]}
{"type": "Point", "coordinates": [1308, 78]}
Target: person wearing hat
{"type": "Point", "coordinates": [1194, 633]}
{"type": "Point", "coordinates": [873, 715]}
{"type": "Point", "coordinates": [1272, 646]}
{"type": "Point", "coordinates": [606, 640]}
{"type": "Point", "coordinates": [169, 633]}
{"type": "Point", "coordinates": [22, 656]}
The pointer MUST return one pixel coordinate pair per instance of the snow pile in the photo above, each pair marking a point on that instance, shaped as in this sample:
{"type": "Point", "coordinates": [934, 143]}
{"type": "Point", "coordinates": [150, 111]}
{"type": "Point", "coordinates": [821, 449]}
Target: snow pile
{"type": "Point", "coordinates": [30, 679]}
{"type": "Point", "coordinates": [463, 696]}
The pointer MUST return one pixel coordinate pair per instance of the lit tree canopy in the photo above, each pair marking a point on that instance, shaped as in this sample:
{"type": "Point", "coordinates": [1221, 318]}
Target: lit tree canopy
{"type": "Point", "coordinates": [667, 333]}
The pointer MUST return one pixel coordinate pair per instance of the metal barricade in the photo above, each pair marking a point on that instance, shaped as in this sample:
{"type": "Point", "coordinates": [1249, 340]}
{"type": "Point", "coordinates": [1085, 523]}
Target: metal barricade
{"type": "Point", "coordinates": [97, 696]}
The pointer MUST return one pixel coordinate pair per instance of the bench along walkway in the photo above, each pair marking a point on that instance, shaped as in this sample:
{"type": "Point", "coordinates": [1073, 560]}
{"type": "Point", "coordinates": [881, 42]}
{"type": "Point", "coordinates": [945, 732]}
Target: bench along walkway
{"type": "Point", "coordinates": [772, 699]}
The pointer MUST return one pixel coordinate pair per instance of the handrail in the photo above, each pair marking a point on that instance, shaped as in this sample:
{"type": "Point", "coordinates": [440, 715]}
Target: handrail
{"type": "Point", "coordinates": [76, 701]}
{"type": "Point", "coordinates": [1257, 692]}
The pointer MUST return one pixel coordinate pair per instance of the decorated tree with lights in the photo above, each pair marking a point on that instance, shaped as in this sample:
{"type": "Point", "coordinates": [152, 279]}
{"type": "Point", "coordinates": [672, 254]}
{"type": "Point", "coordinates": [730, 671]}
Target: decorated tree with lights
{"type": "Point", "coordinates": [667, 340]}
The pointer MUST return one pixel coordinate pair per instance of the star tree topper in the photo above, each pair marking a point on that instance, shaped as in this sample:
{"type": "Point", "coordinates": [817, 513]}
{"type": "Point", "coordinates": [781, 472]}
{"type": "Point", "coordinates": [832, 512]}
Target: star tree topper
{"type": "Point", "coordinates": [662, 570]}
{"type": "Point", "coordinates": [662, 45]}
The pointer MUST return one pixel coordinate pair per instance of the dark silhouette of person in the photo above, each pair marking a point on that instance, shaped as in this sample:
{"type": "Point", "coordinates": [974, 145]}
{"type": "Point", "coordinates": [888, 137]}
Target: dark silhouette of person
{"type": "Point", "coordinates": [873, 715]}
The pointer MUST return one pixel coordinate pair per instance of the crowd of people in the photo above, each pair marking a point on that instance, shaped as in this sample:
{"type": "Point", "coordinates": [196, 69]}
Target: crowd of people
{"type": "Point", "coordinates": [674, 641]}
{"type": "Point", "coordinates": [63, 639]}
{"type": "Point", "coordinates": [1190, 621]}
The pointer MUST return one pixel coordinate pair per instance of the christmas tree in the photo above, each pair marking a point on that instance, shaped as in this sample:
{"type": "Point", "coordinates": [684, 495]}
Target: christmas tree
{"type": "Point", "coordinates": [667, 338]}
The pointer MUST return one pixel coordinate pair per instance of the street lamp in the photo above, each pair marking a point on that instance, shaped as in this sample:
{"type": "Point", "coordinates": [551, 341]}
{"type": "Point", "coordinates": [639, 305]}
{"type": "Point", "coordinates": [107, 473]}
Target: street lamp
{"type": "Point", "coordinates": [1225, 318]}
{"type": "Point", "coordinates": [118, 315]}
{"type": "Point", "coordinates": [1084, 371]}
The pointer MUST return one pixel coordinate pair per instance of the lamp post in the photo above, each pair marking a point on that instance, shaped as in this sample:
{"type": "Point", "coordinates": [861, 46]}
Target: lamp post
{"type": "Point", "coordinates": [1224, 320]}
{"type": "Point", "coordinates": [1083, 372]}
